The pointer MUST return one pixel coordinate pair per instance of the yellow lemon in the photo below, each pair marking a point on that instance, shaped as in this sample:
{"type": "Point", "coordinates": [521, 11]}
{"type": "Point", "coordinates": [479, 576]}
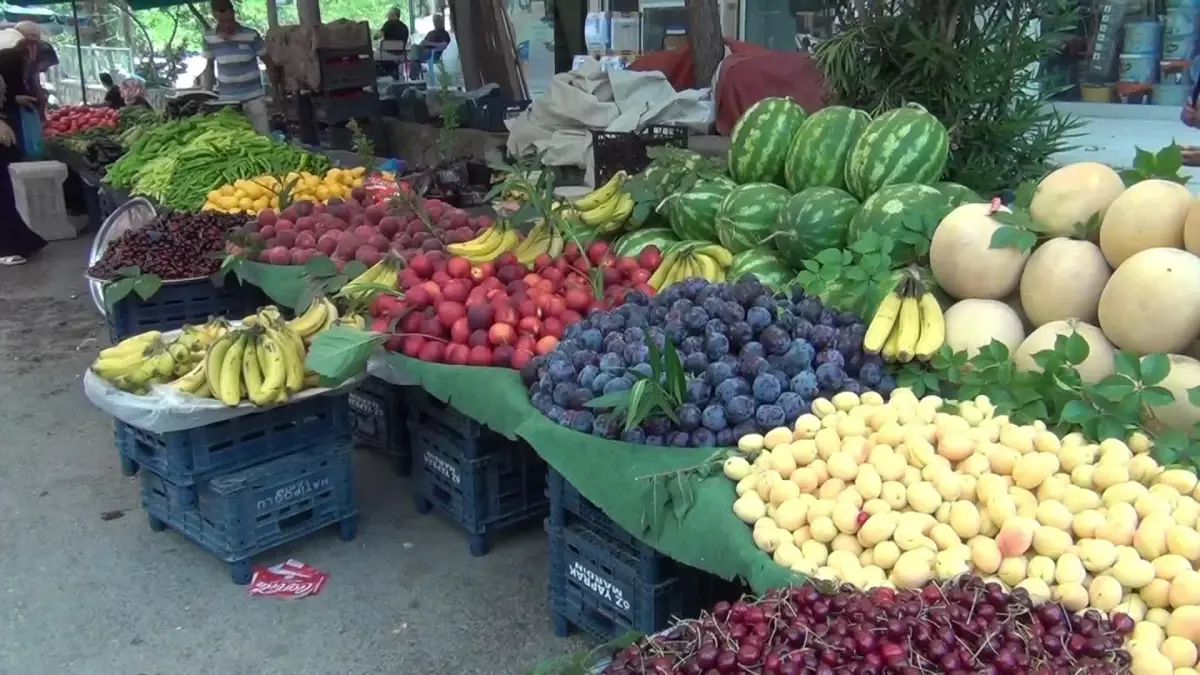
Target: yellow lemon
{"type": "Point", "coordinates": [245, 203]}
{"type": "Point", "coordinates": [322, 193]}
{"type": "Point", "coordinates": [358, 171]}
{"type": "Point", "coordinates": [226, 190]}
{"type": "Point", "coordinates": [261, 203]}
{"type": "Point", "coordinates": [214, 195]}
{"type": "Point", "coordinates": [227, 202]}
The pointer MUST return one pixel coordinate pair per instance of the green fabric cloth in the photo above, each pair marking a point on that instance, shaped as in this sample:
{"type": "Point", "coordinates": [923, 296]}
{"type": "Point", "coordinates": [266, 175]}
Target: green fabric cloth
{"type": "Point", "coordinates": [692, 522]}
{"type": "Point", "coordinates": [282, 283]}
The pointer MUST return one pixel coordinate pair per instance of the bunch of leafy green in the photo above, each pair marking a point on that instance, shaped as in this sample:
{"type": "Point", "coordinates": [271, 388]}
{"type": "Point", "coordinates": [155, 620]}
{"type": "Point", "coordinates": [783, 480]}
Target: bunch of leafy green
{"type": "Point", "coordinates": [974, 64]}
{"type": "Point", "coordinates": [660, 392]}
{"type": "Point", "coordinates": [1162, 165]}
{"type": "Point", "coordinates": [671, 171]}
{"type": "Point", "coordinates": [1117, 406]}
{"type": "Point", "coordinates": [130, 280]}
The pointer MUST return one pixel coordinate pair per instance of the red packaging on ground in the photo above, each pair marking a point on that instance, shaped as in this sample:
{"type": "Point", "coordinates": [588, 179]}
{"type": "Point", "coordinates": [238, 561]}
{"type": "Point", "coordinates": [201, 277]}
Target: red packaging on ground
{"type": "Point", "coordinates": [289, 580]}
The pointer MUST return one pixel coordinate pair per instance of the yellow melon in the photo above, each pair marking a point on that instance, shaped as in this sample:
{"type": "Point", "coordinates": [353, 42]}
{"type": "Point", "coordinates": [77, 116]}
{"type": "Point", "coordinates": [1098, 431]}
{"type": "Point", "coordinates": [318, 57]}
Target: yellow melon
{"type": "Point", "coordinates": [1099, 363]}
{"type": "Point", "coordinates": [1150, 214]}
{"type": "Point", "coordinates": [1072, 195]}
{"type": "Point", "coordinates": [963, 261]}
{"type": "Point", "coordinates": [972, 324]}
{"type": "Point", "coordinates": [1063, 280]}
{"type": "Point", "coordinates": [1152, 302]}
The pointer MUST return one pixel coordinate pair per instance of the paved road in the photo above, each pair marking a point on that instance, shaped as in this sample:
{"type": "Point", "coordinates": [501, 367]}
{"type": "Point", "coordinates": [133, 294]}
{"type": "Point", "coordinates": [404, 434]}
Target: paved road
{"type": "Point", "coordinates": [83, 595]}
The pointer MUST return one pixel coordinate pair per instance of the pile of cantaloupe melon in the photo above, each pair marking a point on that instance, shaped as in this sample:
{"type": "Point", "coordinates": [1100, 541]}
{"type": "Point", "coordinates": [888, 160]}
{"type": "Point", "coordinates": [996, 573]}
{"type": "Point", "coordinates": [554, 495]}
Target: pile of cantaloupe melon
{"type": "Point", "coordinates": [1132, 284]}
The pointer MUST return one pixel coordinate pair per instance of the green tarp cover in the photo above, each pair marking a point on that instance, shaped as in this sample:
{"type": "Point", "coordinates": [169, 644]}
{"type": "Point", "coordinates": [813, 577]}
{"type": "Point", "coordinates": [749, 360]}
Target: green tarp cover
{"type": "Point", "coordinates": [681, 515]}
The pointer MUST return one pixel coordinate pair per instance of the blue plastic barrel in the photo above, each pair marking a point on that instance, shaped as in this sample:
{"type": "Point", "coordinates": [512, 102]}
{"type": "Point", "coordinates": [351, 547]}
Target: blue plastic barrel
{"type": "Point", "coordinates": [1138, 68]}
{"type": "Point", "coordinates": [1142, 37]}
{"type": "Point", "coordinates": [1174, 95]}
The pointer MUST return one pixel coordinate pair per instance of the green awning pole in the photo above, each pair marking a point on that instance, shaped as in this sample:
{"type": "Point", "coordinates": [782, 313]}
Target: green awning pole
{"type": "Point", "coordinates": [79, 50]}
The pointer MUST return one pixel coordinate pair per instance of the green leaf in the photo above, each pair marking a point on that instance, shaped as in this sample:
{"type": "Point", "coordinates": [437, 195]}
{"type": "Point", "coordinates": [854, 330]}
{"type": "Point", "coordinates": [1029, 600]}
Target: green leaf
{"type": "Point", "coordinates": [640, 404]}
{"type": "Point", "coordinates": [1155, 368]}
{"type": "Point", "coordinates": [1076, 349]}
{"type": "Point", "coordinates": [320, 266]}
{"type": "Point", "coordinates": [655, 359]}
{"type": "Point", "coordinates": [607, 401]}
{"type": "Point", "coordinates": [830, 256]}
{"type": "Point", "coordinates": [340, 352]}
{"type": "Point", "coordinates": [1077, 412]}
{"type": "Point", "coordinates": [1113, 387]}
{"type": "Point", "coordinates": [682, 496]}
{"type": "Point", "coordinates": [1144, 161]}
{"type": "Point", "coordinates": [1127, 364]}
{"type": "Point", "coordinates": [117, 290]}
{"type": "Point", "coordinates": [1169, 160]}
{"type": "Point", "coordinates": [1157, 397]}
{"type": "Point", "coordinates": [147, 285]}
{"type": "Point", "coordinates": [353, 269]}
{"type": "Point", "coordinates": [676, 382]}
{"type": "Point", "coordinates": [997, 350]}
{"type": "Point", "coordinates": [1006, 236]}
{"type": "Point", "coordinates": [1194, 396]}
{"type": "Point", "coordinates": [1108, 427]}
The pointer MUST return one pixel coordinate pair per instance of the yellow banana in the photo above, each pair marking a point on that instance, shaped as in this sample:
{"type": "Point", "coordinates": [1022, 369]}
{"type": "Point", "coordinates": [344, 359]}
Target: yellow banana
{"type": "Point", "coordinates": [599, 215]}
{"type": "Point", "coordinates": [933, 327]}
{"type": "Point", "coordinates": [331, 317]}
{"type": "Point", "coordinates": [293, 356]}
{"type": "Point", "coordinates": [533, 246]}
{"type": "Point", "coordinates": [717, 252]}
{"type": "Point", "coordinates": [353, 320]}
{"type": "Point", "coordinates": [891, 348]}
{"type": "Point", "coordinates": [601, 194]}
{"type": "Point", "coordinates": [623, 209]}
{"type": "Point", "coordinates": [664, 268]}
{"type": "Point", "coordinates": [556, 245]}
{"type": "Point", "coordinates": [708, 268]}
{"type": "Point", "coordinates": [274, 371]}
{"type": "Point", "coordinates": [230, 388]}
{"type": "Point", "coordinates": [216, 357]}
{"type": "Point", "coordinates": [507, 242]}
{"type": "Point", "coordinates": [130, 345]}
{"type": "Point", "coordinates": [193, 380]}
{"type": "Point", "coordinates": [880, 328]}
{"type": "Point", "coordinates": [311, 320]}
{"type": "Point", "coordinates": [908, 329]}
{"type": "Point", "coordinates": [115, 366]}
{"type": "Point", "coordinates": [252, 376]}
{"type": "Point", "coordinates": [311, 380]}
{"type": "Point", "coordinates": [164, 365]}
{"type": "Point", "coordinates": [480, 244]}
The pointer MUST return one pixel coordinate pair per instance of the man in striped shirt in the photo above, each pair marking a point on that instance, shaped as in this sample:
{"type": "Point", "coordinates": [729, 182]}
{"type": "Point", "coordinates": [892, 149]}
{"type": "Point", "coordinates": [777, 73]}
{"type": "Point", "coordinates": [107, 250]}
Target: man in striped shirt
{"type": "Point", "coordinates": [234, 51]}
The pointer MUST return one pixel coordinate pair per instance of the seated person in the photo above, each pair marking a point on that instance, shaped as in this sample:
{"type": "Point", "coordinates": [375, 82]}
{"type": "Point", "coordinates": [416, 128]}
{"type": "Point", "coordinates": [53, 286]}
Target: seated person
{"type": "Point", "coordinates": [436, 40]}
{"type": "Point", "coordinates": [133, 92]}
{"type": "Point", "coordinates": [112, 93]}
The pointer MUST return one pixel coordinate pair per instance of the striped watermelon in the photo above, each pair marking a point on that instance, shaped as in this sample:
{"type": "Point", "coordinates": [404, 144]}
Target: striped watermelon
{"type": "Point", "coordinates": [748, 214]}
{"type": "Point", "coordinates": [885, 213]}
{"type": "Point", "coordinates": [819, 149]}
{"type": "Point", "coordinates": [632, 244]}
{"type": "Point", "coordinates": [958, 194]}
{"type": "Point", "coordinates": [763, 264]}
{"type": "Point", "coordinates": [761, 139]}
{"type": "Point", "coordinates": [905, 145]}
{"type": "Point", "coordinates": [692, 214]}
{"type": "Point", "coordinates": [813, 220]}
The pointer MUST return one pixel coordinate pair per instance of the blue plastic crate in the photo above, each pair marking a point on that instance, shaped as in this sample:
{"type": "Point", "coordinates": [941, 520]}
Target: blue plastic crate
{"type": "Point", "coordinates": [505, 488]}
{"type": "Point", "coordinates": [123, 437]}
{"type": "Point", "coordinates": [596, 586]}
{"type": "Point", "coordinates": [379, 418]}
{"type": "Point", "coordinates": [568, 507]}
{"type": "Point", "coordinates": [187, 457]}
{"type": "Point", "coordinates": [178, 303]}
{"type": "Point", "coordinates": [474, 439]}
{"type": "Point", "coordinates": [241, 514]}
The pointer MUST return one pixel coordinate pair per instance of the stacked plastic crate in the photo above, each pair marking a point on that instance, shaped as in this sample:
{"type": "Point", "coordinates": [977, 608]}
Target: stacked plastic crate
{"type": "Point", "coordinates": [246, 485]}
{"type": "Point", "coordinates": [480, 479]}
{"type": "Point", "coordinates": [606, 583]}
{"type": "Point", "coordinates": [379, 415]}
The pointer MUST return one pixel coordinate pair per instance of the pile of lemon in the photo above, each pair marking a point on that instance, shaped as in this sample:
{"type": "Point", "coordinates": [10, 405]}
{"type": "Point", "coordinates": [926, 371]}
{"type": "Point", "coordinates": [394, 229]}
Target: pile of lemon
{"type": "Point", "coordinates": [262, 192]}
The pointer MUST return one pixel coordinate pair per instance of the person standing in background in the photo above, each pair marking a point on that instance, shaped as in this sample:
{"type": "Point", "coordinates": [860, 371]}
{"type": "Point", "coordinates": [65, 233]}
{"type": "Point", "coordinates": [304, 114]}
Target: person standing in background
{"type": "Point", "coordinates": [17, 241]}
{"type": "Point", "coordinates": [112, 95]}
{"type": "Point", "coordinates": [43, 57]}
{"type": "Point", "coordinates": [233, 51]}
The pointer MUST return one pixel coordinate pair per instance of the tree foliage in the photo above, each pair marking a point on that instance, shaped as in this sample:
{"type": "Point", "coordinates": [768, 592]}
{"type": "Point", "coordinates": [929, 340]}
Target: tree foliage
{"type": "Point", "coordinates": [975, 64]}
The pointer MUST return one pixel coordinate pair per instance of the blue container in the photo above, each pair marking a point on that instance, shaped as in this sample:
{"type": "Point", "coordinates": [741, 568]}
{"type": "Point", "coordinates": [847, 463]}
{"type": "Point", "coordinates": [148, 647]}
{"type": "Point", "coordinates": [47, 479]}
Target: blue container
{"type": "Point", "coordinates": [1175, 72]}
{"type": "Point", "coordinates": [1138, 68]}
{"type": "Point", "coordinates": [245, 513]}
{"type": "Point", "coordinates": [188, 457]}
{"type": "Point", "coordinates": [504, 488]}
{"type": "Point", "coordinates": [1179, 22]}
{"type": "Point", "coordinates": [1177, 5]}
{"type": "Point", "coordinates": [1179, 47]}
{"type": "Point", "coordinates": [473, 439]}
{"type": "Point", "coordinates": [1174, 95]}
{"type": "Point", "coordinates": [1142, 37]}
{"type": "Point", "coordinates": [178, 303]}
{"type": "Point", "coordinates": [123, 436]}
{"type": "Point", "coordinates": [379, 419]}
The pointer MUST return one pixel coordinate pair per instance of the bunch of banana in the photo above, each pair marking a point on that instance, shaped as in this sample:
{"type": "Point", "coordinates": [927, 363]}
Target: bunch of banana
{"type": "Point", "coordinates": [908, 324]}
{"type": "Point", "coordinates": [319, 316]}
{"type": "Point", "coordinates": [699, 259]}
{"type": "Point", "coordinates": [144, 360]}
{"type": "Point", "coordinates": [488, 246]}
{"type": "Point", "coordinates": [353, 320]}
{"type": "Point", "coordinates": [382, 276]}
{"type": "Point", "coordinates": [543, 238]}
{"type": "Point", "coordinates": [262, 362]}
{"type": "Point", "coordinates": [606, 208]}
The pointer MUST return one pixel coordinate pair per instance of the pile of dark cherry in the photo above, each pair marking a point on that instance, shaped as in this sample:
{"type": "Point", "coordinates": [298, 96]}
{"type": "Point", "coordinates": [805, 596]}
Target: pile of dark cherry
{"type": "Point", "coordinates": [966, 627]}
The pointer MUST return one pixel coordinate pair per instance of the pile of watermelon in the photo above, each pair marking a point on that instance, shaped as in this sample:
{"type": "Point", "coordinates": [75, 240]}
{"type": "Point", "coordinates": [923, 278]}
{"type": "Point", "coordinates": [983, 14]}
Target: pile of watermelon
{"type": "Point", "coordinates": [799, 184]}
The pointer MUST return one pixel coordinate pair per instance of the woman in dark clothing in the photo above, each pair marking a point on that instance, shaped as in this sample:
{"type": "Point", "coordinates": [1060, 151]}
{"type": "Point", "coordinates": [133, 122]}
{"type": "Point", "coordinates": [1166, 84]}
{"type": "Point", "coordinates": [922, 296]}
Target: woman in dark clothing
{"type": "Point", "coordinates": [17, 241]}
{"type": "Point", "coordinates": [112, 93]}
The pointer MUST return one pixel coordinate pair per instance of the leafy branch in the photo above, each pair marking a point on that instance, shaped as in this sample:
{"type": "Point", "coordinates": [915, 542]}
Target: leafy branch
{"type": "Point", "coordinates": [131, 280]}
{"type": "Point", "coordinates": [854, 279]}
{"type": "Point", "coordinates": [1162, 165]}
{"type": "Point", "coordinates": [661, 391]}
{"type": "Point", "coordinates": [323, 278]}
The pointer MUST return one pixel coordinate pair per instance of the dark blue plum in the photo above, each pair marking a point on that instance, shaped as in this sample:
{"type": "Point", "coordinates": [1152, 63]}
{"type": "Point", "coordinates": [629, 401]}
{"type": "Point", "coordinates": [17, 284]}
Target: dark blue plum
{"type": "Point", "coordinates": [827, 318]}
{"type": "Point", "coordinates": [579, 398]}
{"type": "Point", "coordinates": [600, 382]}
{"type": "Point", "coordinates": [541, 401]}
{"type": "Point", "coordinates": [692, 344]}
{"type": "Point", "coordinates": [657, 336]}
{"type": "Point", "coordinates": [718, 372]}
{"type": "Point", "coordinates": [731, 313]}
{"type": "Point", "coordinates": [716, 346]}
{"type": "Point", "coordinates": [799, 356]}
{"type": "Point", "coordinates": [635, 334]}
{"type": "Point", "coordinates": [715, 327]}
{"type": "Point", "coordinates": [692, 286]}
{"type": "Point", "coordinates": [822, 336]}
{"type": "Point", "coordinates": [830, 356]}
{"type": "Point", "coordinates": [809, 308]}
{"type": "Point", "coordinates": [775, 339]}
{"type": "Point", "coordinates": [561, 371]}
{"type": "Point", "coordinates": [695, 363]}
{"type": "Point", "coordinates": [612, 362]}
{"type": "Point", "coordinates": [745, 428]}
{"type": "Point", "coordinates": [769, 417]}
{"type": "Point", "coordinates": [713, 418]}
{"type": "Point", "coordinates": [739, 409]}
{"type": "Point", "coordinates": [793, 405]}
{"type": "Point", "coordinates": [695, 319]}
{"type": "Point", "coordinates": [562, 393]}
{"type": "Point", "coordinates": [675, 331]}
{"type": "Point", "coordinates": [732, 387]}
{"type": "Point", "coordinates": [751, 366]}
{"type": "Point", "coordinates": [830, 377]}
{"type": "Point", "coordinates": [556, 414]}
{"type": "Point", "coordinates": [605, 426]}
{"type": "Point", "coordinates": [642, 369]}
{"type": "Point", "coordinates": [634, 435]}
{"type": "Point", "coordinates": [703, 438]}
{"type": "Point", "coordinates": [615, 344]}
{"type": "Point", "coordinates": [766, 388]}
{"type": "Point", "coordinates": [636, 298]}
{"type": "Point", "coordinates": [871, 372]}
{"type": "Point", "coordinates": [657, 425]}
{"type": "Point", "coordinates": [739, 334]}
{"type": "Point", "coordinates": [805, 384]}
{"type": "Point", "coordinates": [798, 293]}
{"type": "Point", "coordinates": [567, 349]}
{"type": "Point", "coordinates": [682, 305]}
{"type": "Point", "coordinates": [886, 386]}
{"type": "Point", "coordinates": [752, 349]}
{"type": "Point", "coordinates": [573, 332]}
{"type": "Point", "coordinates": [592, 339]}
{"type": "Point", "coordinates": [854, 363]}
{"type": "Point", "coordinates": [617, 385]}
{"type": "Point", "coordinates": [616, 322]}
{"type": "Point", "coordinates": [846, 319]}
{"type": "Point", "coordinates": [725, 438]}
{"type": "Point", "coordinates": [759, 318]}
{"type": "Point", "coordinates": [712, 305]}
{"type": "Point", "coordinates": [766, 302]}
{"type": "Point", "coordinates": [544, 382]}
{"type": "Point", "coordinates": [678, 439]}
{"type": "Point", "coordinates": [582, 421]}
{"type": "Point", "coordinates": [782, 378]}
{"type": "Point", "coordinates": [802, 330]}
{"type": "Point", "coordinates": [636, 353]}
{"type": "Point", "coordinates": [689, 417]}
{"type": "Point", "coordinates": [697, 391]}
{"type": "Point", "coordinates": [584, 357]}
{"type": "Point", "coordinates": [653, 440]}
{"type": "Point", "coordinates": [658, 315]}
{"type": "Point", "coordinates": [852, 386]}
